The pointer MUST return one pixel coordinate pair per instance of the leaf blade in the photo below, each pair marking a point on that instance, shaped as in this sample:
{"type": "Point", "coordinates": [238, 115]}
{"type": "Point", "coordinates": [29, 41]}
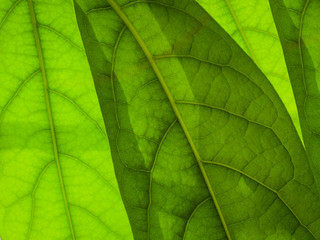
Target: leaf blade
{"type": "Point", "coordinates": [56, 180]}
{"type": "Point", "coordinates": [301, 57]}
{"type": "Point", "coordinates": [173, 105]}
{"type": "Point", "coordinates": [254, 30]}
{"type": "Point", "coordinates": [139, 117]}
{"type": "Point", "coordinates": [49, 112]}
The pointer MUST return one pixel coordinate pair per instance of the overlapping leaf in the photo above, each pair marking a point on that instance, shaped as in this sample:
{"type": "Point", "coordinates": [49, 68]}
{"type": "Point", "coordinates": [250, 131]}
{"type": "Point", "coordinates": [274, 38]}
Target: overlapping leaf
{"type": "Point", "coordinates": [202, 145]}
{"type": "Point", "coordinates": [251, 25]}
{"type": "Point", "coordinates": [298, 27]}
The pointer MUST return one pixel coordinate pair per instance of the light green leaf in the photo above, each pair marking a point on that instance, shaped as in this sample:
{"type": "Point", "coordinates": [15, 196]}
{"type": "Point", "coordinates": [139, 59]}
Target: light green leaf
{"type": "Point", "coordinates": [298, 27]}
{"type": "Point", "coordinates": [56, 175]}
{"type": "Point", "coordinates": [202, 145]}
{"type": "Point", "coordinates": [251, 25]}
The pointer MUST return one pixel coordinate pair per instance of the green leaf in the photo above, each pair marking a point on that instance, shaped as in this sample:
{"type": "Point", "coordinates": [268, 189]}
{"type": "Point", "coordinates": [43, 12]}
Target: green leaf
{"type": "Point", "coordinates": [203, 147]}
{"type": "Point", "coordinates": [56, 174]}
{"type": "Point", "coordinates": [298, 27]}
{"type": "Point", "coordinates": [252, 26]}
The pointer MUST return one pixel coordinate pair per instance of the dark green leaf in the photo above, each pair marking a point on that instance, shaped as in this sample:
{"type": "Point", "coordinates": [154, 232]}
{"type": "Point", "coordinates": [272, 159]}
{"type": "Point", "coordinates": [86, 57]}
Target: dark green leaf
{"type": "Point", "coordinates": [299, 26]}
{"type": "Point", "coordinates": [202, 145]}
{"type": "Point", "coordinates": [251, 25]}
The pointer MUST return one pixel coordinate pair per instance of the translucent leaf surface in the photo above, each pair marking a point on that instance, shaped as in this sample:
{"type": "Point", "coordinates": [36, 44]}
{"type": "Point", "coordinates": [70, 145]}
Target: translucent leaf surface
{"type": "Point", "coordinates": [202, 145]}
{"type": "Point", "coordinates": [56, 174]}
{"type": "Point", "coordinates": [299, 27]}
{"type": "Point", "coordinates": [251, 25]}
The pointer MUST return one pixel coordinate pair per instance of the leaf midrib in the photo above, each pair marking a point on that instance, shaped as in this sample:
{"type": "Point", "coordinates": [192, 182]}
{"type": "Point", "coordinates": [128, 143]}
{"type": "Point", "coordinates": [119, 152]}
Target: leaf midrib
{"type": "Point", "coordinates": [49, 110]}
{"type": "Point", "coordinates": [155, 68]}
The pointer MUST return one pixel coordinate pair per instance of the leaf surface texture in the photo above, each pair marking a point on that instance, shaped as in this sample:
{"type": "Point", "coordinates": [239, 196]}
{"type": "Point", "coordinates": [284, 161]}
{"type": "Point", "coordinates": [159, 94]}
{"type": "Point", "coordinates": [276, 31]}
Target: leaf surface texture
{"type": "Point", "coordinates": [251, 25]}
{"type": "Point", "coordinates": [298, 27]}
{"type": "Point", "coordinates": [202, 145]}
{"type": "Point", "coordinates": [56, 173]}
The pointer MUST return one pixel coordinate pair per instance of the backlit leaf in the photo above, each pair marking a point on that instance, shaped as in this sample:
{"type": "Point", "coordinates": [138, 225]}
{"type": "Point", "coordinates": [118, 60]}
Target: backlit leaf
{"type": "Point", "coordinates": [202, 145]}
{"type": "Point", "coordinates": [299, 30]}
{"type": "Point", "coordinates": [56, 175]}
{"type": "Point", "coordinates": [251, 25]}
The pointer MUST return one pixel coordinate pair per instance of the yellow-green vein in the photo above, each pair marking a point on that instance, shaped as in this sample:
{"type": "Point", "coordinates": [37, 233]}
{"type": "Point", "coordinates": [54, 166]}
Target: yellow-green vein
{"type": "Point", "coordinates": [95, 217]}
{"type": "Point", "coordinates": [9, 12]}
{"type": "Point", "coordinates": [4, 109]}
{"type": "Point", "coordinates": [33, 193]}
{"type": "Point", "coordinates": [62, 36]}
{"type": "Point", "coordinates": [49, 111]}
{"type": "Point", "coordinates": [80, 110]}
{"type": "Point", "coordinates": [94, 171]}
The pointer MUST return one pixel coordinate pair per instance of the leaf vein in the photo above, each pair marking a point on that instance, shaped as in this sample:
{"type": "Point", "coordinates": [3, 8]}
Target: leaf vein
{"type": "Point", "coordinates": [241, 30]}
{"type": "Point", "coordinates": [143, 1]}
{"type": "Point", "coordinates": [156, 70]}
{"type": "Point", "coordinates": [240, 116]}
{"type": "Point", "coordinates": [113, 74]}
{"type": "Point", "coordinates": [4, 109]}
{"type": "Point", "coordinates": [152, 169]}
{"type": "Point", "coordinates": [10, 11]}
{"type": "Point", "coordinates": [33, 197]}
{"type": "Point", "coordinates": [192, 214]}
{"type": "Point", "coordinates": [90, 168]}
{"type": "Point", "coordinates": [49, 111]}
{"type": "Point", "coordinates": [264, 185]}
{"type": "Point", "coordinates": [60, 35]}
{"type": "Point", "coordinates": [98, 219]}
{"type": "Point", "coordinates": [79, 109]}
